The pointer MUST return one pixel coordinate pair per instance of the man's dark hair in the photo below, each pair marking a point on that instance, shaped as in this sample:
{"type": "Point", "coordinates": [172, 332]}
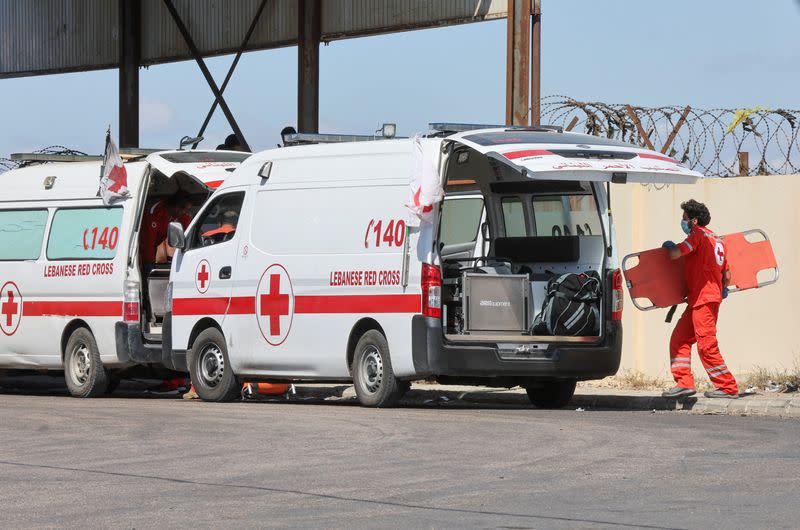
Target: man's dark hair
{"type": "Point", "coordinates": [697, 210]}
{"type": "Point", "coordinates": [179, 198]}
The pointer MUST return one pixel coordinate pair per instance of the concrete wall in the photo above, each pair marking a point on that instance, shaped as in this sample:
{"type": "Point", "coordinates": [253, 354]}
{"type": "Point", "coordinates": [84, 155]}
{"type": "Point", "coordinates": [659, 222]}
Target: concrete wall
{"type": "Point", "coordinates": [757, 328]}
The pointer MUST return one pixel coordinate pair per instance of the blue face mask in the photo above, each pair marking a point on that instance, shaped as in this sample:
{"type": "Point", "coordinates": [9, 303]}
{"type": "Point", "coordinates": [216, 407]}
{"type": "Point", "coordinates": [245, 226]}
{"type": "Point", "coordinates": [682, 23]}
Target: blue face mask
{"type": "Point", "coordinates": [685, 226]}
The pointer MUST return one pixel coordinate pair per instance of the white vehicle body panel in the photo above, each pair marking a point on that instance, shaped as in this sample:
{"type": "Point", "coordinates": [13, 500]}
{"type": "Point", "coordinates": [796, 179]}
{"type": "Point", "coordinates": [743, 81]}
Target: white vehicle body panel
{"type": "Point", "coordinates": [313, 222]}
{"type": "Point", "coordinates": [52, 295]}
{"type": "Point", "coordinates": [310, 263]}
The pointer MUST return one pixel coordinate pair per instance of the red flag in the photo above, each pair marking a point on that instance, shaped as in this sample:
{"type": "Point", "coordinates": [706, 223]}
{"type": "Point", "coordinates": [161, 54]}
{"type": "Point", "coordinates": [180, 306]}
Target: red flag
{"type": "Point", "coordinates": [114, 182]}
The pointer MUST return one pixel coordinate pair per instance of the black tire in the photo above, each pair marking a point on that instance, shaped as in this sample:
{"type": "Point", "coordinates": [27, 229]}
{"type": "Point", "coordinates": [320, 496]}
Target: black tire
{"type": "Point", "coordinates": [373, 377]}
{"type": "Point", "coordinates": [83, 370]}
{"type": "Point", "coordinates": [552, 395]}
{"type": "Point", "coordinates": [210, 368]}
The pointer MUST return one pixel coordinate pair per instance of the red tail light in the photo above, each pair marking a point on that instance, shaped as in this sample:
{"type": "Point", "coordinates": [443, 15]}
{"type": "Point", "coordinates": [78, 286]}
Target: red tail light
{"type": "Point", "coordinates": [431, 291]}
{"type": "Point", "coordinates": [617, 296]}
{"type": "Point", "coordinates": [130, 302]}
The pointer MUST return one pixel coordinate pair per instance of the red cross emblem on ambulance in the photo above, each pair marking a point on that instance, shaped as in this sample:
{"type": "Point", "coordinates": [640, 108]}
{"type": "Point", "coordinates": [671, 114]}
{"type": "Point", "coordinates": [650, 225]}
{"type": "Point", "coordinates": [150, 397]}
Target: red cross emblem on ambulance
{"type": "Point", "coordinates": [202, 278]}
{"type": "Point", "coordinates": [275, 304]}
{"type": "Point", "coordinates": [10, 308]}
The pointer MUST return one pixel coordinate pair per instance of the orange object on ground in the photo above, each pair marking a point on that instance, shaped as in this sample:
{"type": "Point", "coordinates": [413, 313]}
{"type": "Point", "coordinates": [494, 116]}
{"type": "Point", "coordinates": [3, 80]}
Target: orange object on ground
{"type": "Point", "coordinates": [699, 325]}
{"type": "Point", "coordinates": [268, 389]}
{"type": "Point", "coordinates": [662, 281]}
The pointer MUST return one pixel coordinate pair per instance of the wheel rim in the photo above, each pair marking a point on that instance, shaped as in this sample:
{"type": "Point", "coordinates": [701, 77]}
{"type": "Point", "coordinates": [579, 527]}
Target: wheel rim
{"type": "Point", "coordinates": [80, 363]}
{"type": "Point", "coordinates": [371, 369]}
{"type": "Point", "coordinates": [212, 365]}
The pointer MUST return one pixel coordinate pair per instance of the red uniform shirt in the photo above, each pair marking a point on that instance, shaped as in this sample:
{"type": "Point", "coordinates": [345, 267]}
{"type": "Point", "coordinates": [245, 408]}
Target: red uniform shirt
{"type": "Point", "coordinates": [705, 258]}
{"type": "Point", "coordinates": [154, 230]}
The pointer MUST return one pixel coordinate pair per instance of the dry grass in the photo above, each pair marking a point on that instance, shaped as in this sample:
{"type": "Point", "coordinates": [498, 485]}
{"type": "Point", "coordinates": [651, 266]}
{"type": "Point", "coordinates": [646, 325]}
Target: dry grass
{"type": "Point", "coordinates": [761, 377]}
{"type": "Point", "coordinates": [630, 380]}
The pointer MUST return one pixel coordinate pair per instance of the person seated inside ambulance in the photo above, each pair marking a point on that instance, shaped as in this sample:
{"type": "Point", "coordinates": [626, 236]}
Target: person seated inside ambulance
{"type": "Point", "coordinates": [153, 247]}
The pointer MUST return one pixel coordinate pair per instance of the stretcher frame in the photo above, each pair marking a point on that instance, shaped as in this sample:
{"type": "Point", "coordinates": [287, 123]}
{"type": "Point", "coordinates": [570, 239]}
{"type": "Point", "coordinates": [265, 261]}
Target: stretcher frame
{"type": "Point", "coordinates": [745, 233]}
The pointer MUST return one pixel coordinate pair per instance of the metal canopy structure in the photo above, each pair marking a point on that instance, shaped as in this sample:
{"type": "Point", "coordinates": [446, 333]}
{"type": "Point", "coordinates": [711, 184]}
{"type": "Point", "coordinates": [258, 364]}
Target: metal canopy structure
{"type": "Point", "coordinates": [40, 37]}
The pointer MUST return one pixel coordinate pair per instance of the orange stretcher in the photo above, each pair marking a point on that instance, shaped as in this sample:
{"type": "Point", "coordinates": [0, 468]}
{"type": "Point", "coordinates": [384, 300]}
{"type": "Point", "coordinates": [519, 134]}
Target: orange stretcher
{"type": "Point", "coordinates": [657, 279]}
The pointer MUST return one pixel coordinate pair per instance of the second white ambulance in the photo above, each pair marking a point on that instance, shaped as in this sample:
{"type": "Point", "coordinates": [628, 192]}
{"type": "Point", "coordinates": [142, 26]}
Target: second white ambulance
{"type": "Point", "coordinates": [301, 268]}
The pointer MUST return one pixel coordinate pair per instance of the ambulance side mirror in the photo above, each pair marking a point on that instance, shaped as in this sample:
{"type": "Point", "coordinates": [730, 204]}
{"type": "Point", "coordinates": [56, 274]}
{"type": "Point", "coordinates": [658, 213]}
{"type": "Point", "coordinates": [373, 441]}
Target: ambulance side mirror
{"type": "Point", "coordinates": [175, 236]}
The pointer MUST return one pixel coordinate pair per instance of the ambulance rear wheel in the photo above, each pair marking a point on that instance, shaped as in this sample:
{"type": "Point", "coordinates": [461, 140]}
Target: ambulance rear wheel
{"type": "Point", "coordinates": [552, 395]}
{"type": "Point", "coordinates": [83, 370]}
{"type": "Point", "coordinates": [210, 368]}
{"type": "Point", "coordinates": [373, 377]}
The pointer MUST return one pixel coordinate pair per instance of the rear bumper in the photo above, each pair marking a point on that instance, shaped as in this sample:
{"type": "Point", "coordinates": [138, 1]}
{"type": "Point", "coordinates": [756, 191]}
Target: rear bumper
{"type": "Point", "coordinates": [432, 357]}
{"type": "Point", "coordinates": [132, 347]}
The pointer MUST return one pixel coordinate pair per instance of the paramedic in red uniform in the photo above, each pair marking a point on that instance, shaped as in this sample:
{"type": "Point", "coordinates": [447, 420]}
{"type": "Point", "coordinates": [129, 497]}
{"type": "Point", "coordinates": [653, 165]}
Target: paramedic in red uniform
{"type": "Point", "coordinates": [707, 278]}
{"type": "Point", "coordinates": [155, 222]}
{"type": "Point", "coordinates": [154, 233]}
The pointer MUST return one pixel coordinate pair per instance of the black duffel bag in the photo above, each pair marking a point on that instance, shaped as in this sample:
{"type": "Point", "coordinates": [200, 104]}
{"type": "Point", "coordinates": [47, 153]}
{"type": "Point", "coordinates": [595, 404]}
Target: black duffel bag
{"type": "Point", "coordinates": [571, 307]}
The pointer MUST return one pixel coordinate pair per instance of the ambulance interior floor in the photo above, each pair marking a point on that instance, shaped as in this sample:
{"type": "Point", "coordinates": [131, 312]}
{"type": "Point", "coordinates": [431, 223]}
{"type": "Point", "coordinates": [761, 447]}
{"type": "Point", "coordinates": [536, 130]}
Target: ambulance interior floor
{"type": "Point", "coordinates": [121, 462]}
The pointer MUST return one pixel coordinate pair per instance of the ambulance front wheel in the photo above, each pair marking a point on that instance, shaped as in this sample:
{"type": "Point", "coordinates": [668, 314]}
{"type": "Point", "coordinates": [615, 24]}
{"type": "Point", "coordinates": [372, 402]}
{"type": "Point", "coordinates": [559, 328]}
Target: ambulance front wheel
{"type": "Point", "coordinates": [553, 394]}
{"type": "Point", "coordinates": [83, 370]}
{"type": "Point", "coordinates": [373, 377]}
{"type": "Point", "coordinates": [210, 368]}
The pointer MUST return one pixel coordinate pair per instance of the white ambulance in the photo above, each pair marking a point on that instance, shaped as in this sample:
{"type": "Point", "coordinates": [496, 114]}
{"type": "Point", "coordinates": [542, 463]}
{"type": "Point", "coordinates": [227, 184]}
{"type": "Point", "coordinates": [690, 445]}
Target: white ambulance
{"type": "Point", "coordinates": [71, 284]}
{"type": "Point", "coordinates": [320, 278]}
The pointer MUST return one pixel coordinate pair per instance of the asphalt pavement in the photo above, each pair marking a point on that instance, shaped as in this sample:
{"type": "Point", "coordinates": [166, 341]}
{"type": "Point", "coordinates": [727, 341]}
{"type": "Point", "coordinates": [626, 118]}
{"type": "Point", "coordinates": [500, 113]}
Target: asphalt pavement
{"type": "Point", "coordinates": [134, 462]}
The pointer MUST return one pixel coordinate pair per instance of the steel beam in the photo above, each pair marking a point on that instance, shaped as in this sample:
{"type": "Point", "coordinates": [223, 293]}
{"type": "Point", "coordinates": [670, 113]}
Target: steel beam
{"type": "Point", "coordinates": [517, 62]}
{"type": "Point", "coordinates": [235, 62]}
{"type": "Point", "coordinates": [204, 69]}
{"type": "Point", "coordinates": [536, 62]}
{"type": "Point", "coordinates": [130, 29]}
{"type": "Point", "coordinates": [309, 29]}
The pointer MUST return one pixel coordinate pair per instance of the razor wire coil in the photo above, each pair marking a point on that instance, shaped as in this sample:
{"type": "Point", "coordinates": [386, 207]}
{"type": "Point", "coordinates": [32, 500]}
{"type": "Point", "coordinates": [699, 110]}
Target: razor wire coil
{"type": "Point", "coordinates": [708, 141]}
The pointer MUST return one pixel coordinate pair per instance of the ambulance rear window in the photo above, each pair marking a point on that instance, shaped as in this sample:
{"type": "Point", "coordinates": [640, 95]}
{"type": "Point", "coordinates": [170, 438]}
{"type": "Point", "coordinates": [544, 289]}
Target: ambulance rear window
{"type": "Point", "coordinates": [84, 233]}
{"type": "Point", "coordinates": [21, 234]}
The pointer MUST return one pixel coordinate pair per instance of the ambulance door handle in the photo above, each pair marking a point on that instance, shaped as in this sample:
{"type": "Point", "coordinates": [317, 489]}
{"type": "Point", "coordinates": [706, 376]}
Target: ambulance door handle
{"type": "Point", "coordinates": [225, 273]}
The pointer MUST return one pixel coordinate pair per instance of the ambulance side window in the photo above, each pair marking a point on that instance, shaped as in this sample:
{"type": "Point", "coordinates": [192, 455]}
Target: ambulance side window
{"type": "Point", "coordinates": [218, 221]}
{"type": "Point", "coordinates": [84, 233]}
{"type": "Point", "coordinates": [514, 217]}
{"type": "Point", "coordinates": [567, 215]}
{"type": "Point", "coordinates": [461, 219]}
{"type": "Point", "coordinates": [21, 234]}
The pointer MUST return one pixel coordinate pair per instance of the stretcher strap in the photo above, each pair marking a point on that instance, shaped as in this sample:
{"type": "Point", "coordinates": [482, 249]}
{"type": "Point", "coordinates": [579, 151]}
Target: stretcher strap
{"type": "Point", "coordinates": [747, 259]}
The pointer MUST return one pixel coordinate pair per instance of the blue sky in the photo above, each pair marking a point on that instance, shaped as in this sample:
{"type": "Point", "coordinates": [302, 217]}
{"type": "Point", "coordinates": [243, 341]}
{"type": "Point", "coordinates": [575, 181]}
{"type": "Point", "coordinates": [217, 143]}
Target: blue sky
{"type": "Point", "coordinates": [710, 53]}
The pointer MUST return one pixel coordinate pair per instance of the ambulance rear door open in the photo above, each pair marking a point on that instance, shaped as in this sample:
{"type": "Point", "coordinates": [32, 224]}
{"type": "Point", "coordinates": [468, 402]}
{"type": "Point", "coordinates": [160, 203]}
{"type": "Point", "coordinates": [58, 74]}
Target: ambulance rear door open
{"type": "Point", "coordinates": [566, 165]}
{"type": "Point", "coordinates": [577, 157]}
{"type": "Point", "coordinates": [197, 173]}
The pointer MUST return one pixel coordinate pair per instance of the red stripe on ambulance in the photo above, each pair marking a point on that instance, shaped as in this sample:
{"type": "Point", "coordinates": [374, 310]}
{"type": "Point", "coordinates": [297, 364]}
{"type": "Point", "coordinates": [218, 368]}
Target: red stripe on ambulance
{"type": "Point", "coordinates": [84, 308]}
{"type": "Point", "coordinates": [200, 306]}
{"type": "Point", "coordinates": [303, 305]}
{"type": "Point", "coordinates": [526, 153]}
{"type": "Point", "coordinates": [382, 303]}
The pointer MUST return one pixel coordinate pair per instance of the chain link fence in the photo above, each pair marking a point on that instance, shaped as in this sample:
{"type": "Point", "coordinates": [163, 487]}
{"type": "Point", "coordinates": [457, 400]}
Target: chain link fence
{"type": "Point", "coordinates": [715, 142]}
